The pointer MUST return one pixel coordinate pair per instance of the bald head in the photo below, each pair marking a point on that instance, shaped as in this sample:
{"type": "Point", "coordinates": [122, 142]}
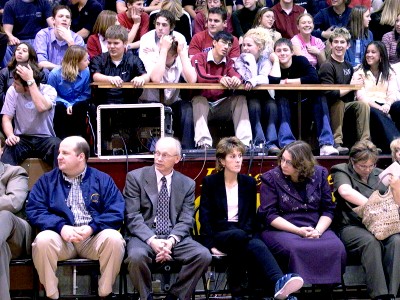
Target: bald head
{"type": "Point", "coordinates": [171, 142]}
{"type": "Point", "coordinates": [79, 144]}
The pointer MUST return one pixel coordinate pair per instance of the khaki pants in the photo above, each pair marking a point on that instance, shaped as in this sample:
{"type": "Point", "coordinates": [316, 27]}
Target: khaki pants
{"type": "Point", "coordinates": [361, 112]}
{"type": "Point", "coordinates": [107, 246]}
{"type": "Point", "coordinates": [232, 108]}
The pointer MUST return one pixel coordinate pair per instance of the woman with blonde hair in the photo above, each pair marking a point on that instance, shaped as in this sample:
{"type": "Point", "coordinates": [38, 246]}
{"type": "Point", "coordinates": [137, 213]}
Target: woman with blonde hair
{"type": "Point", "coordinates": [307, 45]}
{"type": "Point", "coordinates": [383, 20]}
{"type": "Point", "coordinates": [258, 64]}
{"type": "Point", "coordinates": [97, 43]}
{"type": "Point", "coordinates": [200, 22]}
{"type": "Point", "coordinates": [183, 23]}
{"type": "Point", "coordinates": [361, 36]}
{"type": "Point", "coordinates": [72, 83]}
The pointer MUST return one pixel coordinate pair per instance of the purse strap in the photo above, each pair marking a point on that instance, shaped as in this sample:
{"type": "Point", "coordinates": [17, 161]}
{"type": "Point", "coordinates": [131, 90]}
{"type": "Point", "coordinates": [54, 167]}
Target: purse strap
{"type": "Point", "coordinates": [379, 182]}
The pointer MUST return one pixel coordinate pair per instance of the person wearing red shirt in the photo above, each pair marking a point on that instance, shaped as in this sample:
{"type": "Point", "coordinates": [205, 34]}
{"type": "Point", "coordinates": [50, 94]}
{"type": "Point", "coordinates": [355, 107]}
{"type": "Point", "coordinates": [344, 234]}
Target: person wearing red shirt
{"type": "Point", "coordinates": [286, 14]}
{"type": "Point", "coordinates": [215, 67]}
{"type": "Point", "coordinates": [136, 21]}
{"type": "Point", "coordinates": [203, 41]}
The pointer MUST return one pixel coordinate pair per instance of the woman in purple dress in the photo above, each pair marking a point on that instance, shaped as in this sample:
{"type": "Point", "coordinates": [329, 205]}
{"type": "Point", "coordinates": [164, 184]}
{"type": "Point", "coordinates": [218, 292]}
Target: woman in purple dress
{"type": "Point", "coordinates": [297, 210]}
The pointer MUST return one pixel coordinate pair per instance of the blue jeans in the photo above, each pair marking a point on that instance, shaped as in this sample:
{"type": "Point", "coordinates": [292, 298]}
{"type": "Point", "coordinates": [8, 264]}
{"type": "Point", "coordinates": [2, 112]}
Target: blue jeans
{"type": "Point", "coordinates": [319, 108]}
{"type": "Point", "coordinates": [183, 126]}
{"type": "Point", "coordinates": [262, 107]}
{"type": "Point", "coordinates": [45, 148]}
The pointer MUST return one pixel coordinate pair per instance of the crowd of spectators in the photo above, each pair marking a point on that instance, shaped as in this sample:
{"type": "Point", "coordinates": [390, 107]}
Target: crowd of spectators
{"type": "Point", "coordinates": [282, 42]}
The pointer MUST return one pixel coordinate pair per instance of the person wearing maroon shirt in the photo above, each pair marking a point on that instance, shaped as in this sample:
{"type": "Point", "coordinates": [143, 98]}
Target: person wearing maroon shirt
{"type": "Point", "coordinates": [286, 14]}
{"type": "Point", "coordinates": [215, 67]}
{"type": "Point", "coordinates": [203, 41]}
{"type": "Point", "coordinates": [136, 20]}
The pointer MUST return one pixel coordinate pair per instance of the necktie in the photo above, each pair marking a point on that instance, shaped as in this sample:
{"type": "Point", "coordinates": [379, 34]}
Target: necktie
{"type": "Point", "coordinates": [162, 225]}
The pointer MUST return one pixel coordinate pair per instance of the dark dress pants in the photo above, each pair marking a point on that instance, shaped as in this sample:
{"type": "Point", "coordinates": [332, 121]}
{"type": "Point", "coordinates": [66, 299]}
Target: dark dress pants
{"type": "Point", "coordinates": [245, 252]}
{"type": "Point", "coordinates": [45, 148]}
{"type": "Point", "coordinates": [380, 259]}
{"type": "Point", "coordinates": [194, 258]}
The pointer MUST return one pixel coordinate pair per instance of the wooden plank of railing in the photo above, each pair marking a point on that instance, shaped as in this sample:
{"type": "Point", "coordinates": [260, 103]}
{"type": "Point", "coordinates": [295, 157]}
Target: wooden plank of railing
{"type": "Point", "coordinates": [218, 86]}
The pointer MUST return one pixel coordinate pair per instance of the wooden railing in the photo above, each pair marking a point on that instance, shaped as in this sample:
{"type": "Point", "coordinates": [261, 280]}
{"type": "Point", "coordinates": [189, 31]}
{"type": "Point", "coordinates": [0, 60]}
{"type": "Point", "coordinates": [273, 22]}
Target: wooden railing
{"type": "Point", "coordinates": [299, 88]}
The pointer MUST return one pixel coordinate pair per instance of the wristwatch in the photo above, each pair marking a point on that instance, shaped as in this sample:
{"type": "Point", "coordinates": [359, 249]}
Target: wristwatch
{"type": "Point", "coordinates": [30, 82]}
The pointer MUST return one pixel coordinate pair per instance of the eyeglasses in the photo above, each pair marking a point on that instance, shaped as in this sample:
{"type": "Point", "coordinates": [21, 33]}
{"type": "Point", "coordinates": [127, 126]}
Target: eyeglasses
{"type": "Point", "coordinates": [286, 161]}
{"type": "Point", "coordinates": [365, 167]}
{"type": "Point", "coordinates": [163, 155]}
{"type": "Point", "coordinates": [229, 44]}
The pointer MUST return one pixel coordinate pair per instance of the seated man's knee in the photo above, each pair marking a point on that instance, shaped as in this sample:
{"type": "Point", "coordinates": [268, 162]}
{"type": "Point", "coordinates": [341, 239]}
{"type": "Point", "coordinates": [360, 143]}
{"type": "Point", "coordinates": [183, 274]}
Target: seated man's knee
{"type": "Point", "coordinates": [45, 238]}
{"type": "Point", "coordinates": [113, 239]}
{"type": "Point", "coordinates": [199, 100]}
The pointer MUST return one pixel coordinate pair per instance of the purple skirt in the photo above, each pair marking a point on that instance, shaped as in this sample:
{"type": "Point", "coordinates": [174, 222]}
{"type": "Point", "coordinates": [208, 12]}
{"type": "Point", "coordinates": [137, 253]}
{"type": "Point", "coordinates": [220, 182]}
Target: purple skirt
{"type": "Point", "coordinates": [318, 261]}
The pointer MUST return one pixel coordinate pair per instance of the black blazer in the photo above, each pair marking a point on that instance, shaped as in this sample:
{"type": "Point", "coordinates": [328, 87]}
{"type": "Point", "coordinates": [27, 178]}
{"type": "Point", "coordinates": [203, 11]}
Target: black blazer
{"type": "Point", "coordinates": [213, 211]}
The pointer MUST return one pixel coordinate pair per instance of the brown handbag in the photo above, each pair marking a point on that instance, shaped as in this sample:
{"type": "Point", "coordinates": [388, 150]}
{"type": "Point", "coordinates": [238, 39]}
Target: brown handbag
{"type": "Point", "coordinates": [380, 214]}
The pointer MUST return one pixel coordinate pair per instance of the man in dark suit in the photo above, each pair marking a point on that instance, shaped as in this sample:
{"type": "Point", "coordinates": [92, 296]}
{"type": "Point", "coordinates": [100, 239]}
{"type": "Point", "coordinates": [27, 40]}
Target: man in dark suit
{"type": "Point", "coordinates": [159, 217]}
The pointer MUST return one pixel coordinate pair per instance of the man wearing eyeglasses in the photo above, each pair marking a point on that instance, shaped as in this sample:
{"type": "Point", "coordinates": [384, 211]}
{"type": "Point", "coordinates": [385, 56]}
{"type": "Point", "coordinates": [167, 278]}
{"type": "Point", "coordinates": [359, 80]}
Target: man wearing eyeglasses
{"type": "Point", "coordinates": [159, 213]}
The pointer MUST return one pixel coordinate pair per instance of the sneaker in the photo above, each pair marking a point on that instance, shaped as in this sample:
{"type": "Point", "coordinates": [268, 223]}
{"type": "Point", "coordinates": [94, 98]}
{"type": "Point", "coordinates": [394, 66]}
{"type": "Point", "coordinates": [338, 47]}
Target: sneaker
{"type": "Point", "coordinates": [288, 284]}
{"type": "Point", "coordinates": [342, 150]}
{"type": "Point", "coordinates": [328, 150]}
{"type": "Point", "coordinates": [204, 146]}
{"type": "Point", "coordinates": [273, 150]}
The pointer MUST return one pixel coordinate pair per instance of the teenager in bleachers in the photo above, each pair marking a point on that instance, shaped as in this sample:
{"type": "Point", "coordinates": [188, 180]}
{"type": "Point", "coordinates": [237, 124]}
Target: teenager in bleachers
{"type": "Point", "coordinates": [136, 20]}
{"type": "Point", "coordinates": [286, 14]}
{"type": "Point", "coordinates": [150, 42]}
{"type": "Point", "coordinates": [149, 5]}
{"type": "Point", "coordinates": [297, 70]}
{"type": "Point", "coordinates": [361, 36]}
{"type": "Point", "coordinates": [379, 92]}
{"type": "Point", "coordinates": [170, 63]}
{"type": "Point", "coordinates": [24, 53]}
{"type": "Point", "coordinates": [307, 45]}
{"type": "Point", "coordinates": [336, 70]}
{"type": "Point", "coordinates": [383, 20]}
{"type": "Point", "coordinates": [52, 42]}
{"type": "Point", "coordinates": [242, 19]}
{"type": "Point", "coordinates": [265, 18]}
{"type": "Point", "coordinates": [391, 41]}
{"type": "Point", "coordinates": [72, 83]}
{"type": "Point", "coordinates": [193, 7]}
{"type": "Point", "coordinates": [84, 15]}
{"type": "Point", "coordinates": [97, 43]}
{"type": "Point", "coordinates": [258, 64]}
{"type": "Point", "coordinates": [336, 15]}
{"type": "Point", "coordinates": [203, 41]}
{"type": "Point", "coordinates": [117, 66]}
{"type": "Point", "coordinates": [22, 20]}
{"type": "Point", "coordinates": [215, 66]}
{"type": "Point", "coordinates": [183, 23]}
{"type": "Point", "coordinates": [200, 22]}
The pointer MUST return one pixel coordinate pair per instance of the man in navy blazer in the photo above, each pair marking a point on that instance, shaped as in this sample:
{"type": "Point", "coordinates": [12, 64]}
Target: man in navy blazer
{"type": "Point", "coordinates": [144, 246]}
